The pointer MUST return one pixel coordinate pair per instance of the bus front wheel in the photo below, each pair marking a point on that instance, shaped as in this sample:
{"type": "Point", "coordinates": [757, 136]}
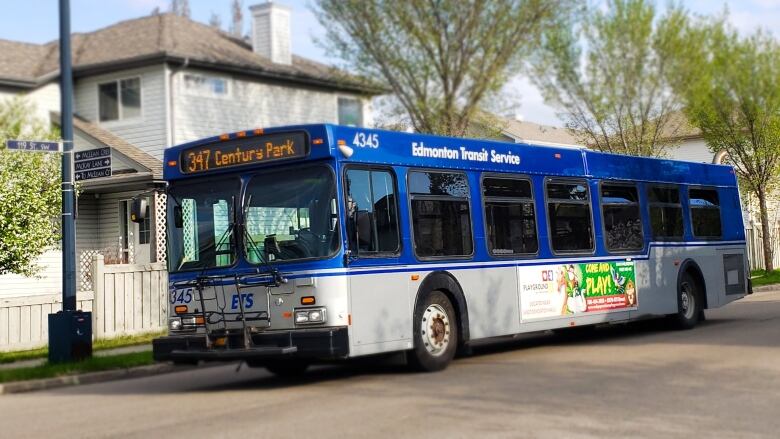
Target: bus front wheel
{"type": "Point", "coordinates": [435, 333]}
{"type": "Point", "coordinates": [689, 303]}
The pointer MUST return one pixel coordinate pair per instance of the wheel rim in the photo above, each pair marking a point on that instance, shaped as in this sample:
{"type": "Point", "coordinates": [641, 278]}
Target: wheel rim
{"type": "Point", "coordinates": [687, 300]}
{"type": "Point", "coordinates": [435, 330]}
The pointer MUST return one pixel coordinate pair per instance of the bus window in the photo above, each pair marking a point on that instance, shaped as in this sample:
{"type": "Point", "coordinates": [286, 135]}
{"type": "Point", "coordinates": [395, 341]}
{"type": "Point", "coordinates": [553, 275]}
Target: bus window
{"type": "Point", "coordinates": [205, 238]}
{"type": "Point", "coordinates": [666, 220]}
{"type": "Point", "coordinates": [509, 216]}
{"type": "Point", "coordinates": [568, 209]}
{"type": "Point", "coordinates": [705, 213]}
{"type": "Point", "coordinates": [440, 214]}
{"type": "Point", "coordinates": [295, 207]}
{"type": "Point", "coordinates": [620, 214]}
{"type": "Point", "coordinates": [372, 212]}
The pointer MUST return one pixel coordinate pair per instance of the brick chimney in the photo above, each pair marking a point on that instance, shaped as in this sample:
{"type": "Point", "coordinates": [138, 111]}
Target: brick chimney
{"type": "Point", "coordinates": [271, 31]}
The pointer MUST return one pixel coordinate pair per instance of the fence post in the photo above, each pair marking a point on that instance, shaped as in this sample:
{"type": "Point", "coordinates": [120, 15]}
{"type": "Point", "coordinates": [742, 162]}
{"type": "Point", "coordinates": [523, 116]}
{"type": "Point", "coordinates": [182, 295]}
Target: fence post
{"type": "Point", "coordinates": [98, 283]}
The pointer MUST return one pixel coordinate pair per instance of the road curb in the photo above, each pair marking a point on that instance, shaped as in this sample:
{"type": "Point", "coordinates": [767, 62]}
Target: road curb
{"type": "Point", "coordinates": [90, 378]}
{"type": "Point", "coordinates": [767, 289]}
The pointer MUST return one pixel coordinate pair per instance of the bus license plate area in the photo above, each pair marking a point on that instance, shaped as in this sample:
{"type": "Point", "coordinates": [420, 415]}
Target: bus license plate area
{"type": "Point", "coordinates": [228, 308]}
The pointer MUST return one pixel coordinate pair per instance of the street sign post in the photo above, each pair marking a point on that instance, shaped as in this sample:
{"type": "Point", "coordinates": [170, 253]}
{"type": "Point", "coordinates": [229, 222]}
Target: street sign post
{"type": "Point", "coordinates": [93, 163]}
{"type": "Point", "coordinates": [33, 145]}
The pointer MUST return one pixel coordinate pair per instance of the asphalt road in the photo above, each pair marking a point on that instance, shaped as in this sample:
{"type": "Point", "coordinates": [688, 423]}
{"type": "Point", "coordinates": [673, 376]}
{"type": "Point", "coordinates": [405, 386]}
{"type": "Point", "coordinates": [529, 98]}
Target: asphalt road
{"type": "Point", "coordinates": [721, 379]}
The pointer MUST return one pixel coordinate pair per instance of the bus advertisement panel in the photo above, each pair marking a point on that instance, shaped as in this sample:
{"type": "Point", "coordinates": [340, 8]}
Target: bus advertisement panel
{"type": "Point", "coordinates": [563, 290]}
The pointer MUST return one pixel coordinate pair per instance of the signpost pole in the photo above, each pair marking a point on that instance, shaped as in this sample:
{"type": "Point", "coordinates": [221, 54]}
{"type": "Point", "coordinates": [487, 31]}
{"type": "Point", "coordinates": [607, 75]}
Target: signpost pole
{"type": "Point", "coordinates": [68, 193]}
{"type": "Point", "coordinates": [70, 330]}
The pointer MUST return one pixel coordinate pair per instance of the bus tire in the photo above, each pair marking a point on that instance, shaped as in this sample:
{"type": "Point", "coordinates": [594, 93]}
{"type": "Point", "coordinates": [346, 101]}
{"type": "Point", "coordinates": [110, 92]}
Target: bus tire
{"type": "Point", "coordinates": [689, 303]}
{"type": "Point", "coordinates": [435, 333]}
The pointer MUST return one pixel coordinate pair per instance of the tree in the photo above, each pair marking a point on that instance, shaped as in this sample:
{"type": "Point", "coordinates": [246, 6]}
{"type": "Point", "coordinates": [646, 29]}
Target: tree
{"type": "Point", "coordinates": [29, 191]}
{"type": "Point", "coordinates": [180, 7]}
{"type": "Point", "coordinates": [237, 18]}
{"type": "Point", "coordinates": [607, 72]}
{"type": "Point", "coordinates": [440, 58]}
{"type": "Point", "coordinates": [731, 87]}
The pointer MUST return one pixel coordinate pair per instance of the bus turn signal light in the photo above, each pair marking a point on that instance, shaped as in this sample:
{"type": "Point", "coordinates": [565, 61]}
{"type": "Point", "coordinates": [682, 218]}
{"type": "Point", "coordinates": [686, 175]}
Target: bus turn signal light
{"type": "Point", "coordinates": [317, 141]}
{"type": "Point", "coordinates": [180, 309]}
{"type": "Point", "coordinates": [171, 162]}
{"type": "Point", "coordinates": [307, 300]}
{"type": "Point", "coordinates": [199, 320]}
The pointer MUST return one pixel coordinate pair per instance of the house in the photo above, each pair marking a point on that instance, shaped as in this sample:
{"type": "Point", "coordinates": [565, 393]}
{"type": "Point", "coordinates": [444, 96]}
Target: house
{"type": "Point", "coordinates": [145, 84]}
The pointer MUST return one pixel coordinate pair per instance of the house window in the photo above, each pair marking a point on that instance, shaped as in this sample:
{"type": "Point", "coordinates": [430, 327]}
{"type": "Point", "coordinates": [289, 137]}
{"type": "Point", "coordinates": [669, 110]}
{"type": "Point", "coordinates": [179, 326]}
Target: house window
{"type": "Point", "coordinates": [202, 85]}
{"type": "Point", "coordinates": [350, 112]}
{"type": "Point", "coordinates": [145, 228]}
{"type": "Point", "coordinates": [120, 99]}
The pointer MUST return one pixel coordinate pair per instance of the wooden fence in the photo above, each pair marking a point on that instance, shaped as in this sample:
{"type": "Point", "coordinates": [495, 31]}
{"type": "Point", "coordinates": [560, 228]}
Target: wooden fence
{"type": "Point", "coordinates": [756, 248]}
{"type": "Point", "coordinates": [125, 299]}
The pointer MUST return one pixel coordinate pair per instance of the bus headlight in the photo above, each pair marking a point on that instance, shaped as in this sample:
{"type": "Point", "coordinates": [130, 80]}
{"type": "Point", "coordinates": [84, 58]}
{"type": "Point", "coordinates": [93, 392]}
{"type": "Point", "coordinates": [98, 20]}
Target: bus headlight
{"type": "Point", "coordinates": [310, 316]}
{"type": "Point", "coordinates": [174, 324]}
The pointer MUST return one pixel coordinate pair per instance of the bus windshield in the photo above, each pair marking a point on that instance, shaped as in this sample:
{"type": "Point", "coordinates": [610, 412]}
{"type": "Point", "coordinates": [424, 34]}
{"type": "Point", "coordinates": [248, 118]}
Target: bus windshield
{"type": "Point", "coordinates": [200, 235]}
{"type": "Point", "coordinates": [296, 209]}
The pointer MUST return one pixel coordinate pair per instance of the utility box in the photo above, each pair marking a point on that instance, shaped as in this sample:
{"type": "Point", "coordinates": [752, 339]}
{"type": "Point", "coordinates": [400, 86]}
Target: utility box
{"type": "Point", "coordinates": [70, 336]}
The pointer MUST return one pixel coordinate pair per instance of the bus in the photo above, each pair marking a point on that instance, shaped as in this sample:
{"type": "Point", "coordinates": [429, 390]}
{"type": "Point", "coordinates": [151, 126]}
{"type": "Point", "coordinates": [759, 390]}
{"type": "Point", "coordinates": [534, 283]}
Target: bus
{"type": "Point", "coordinates": [301, 244]}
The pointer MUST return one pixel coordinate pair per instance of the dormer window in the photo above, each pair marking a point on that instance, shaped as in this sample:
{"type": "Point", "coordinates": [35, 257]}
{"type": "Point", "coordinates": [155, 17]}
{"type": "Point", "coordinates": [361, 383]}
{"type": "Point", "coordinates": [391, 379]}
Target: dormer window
{"type": "Point", "coordinates": [119, 100]}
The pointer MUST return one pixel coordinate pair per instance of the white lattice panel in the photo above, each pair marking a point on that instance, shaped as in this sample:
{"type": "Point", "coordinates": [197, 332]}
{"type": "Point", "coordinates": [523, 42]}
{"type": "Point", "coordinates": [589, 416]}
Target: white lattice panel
{"type": "Point", "coordinates": [160, 231]}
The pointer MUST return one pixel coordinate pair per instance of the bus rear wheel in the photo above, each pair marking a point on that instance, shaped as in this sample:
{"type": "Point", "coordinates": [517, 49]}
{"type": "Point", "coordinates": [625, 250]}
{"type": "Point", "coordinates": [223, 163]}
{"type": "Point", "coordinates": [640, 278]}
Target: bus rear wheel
{"type": "Point", "coordinates": [435, 333]}
{"type": "Point", "coordinates": [689, 303]}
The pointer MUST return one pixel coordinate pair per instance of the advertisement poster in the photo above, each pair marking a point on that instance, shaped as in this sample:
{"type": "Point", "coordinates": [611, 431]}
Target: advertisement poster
{"type": "Point", "coordinates": [569, 289]}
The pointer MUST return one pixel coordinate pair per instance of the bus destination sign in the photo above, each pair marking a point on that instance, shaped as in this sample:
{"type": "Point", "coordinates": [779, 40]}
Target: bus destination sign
{"type": "Point", "coordinates": [244, 151]}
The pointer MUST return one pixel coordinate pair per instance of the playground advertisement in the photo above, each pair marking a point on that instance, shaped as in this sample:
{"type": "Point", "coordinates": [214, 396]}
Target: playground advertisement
{"type": "Point", "coordinates": [570, 289]}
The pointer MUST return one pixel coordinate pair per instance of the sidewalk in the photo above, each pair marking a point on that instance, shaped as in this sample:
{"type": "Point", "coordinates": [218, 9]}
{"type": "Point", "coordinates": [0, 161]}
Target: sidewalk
{"type": "Point", "coordinates": [101, 353]}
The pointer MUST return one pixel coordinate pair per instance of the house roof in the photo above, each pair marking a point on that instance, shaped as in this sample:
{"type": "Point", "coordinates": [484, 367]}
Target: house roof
{"type": "Point", "coordinates": [531, 132]}
{"type": "Point", "coordinates": [116, 143]}
{"type": "Point", "coordinates": [164, 38]}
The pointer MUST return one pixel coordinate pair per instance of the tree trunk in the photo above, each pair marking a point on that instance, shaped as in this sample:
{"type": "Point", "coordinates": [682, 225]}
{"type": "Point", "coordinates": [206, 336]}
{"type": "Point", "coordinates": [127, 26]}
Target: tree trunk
{"type": "Point", "coordinates": [766, 230]}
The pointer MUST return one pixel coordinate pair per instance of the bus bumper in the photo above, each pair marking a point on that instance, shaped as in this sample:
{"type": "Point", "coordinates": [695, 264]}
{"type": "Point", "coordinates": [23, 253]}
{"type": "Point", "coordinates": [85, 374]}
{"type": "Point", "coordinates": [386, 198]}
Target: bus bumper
{"type": "Point", "coordinates": [323, 343]}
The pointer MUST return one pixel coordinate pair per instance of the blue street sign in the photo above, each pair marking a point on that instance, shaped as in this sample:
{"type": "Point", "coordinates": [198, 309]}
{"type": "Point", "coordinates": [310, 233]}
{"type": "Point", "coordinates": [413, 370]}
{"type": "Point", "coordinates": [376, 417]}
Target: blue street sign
{"type": "Point", "coordinates": [33, 145]}
{"type": "Point", "coordinates": [90, 154]}
{"type": "Point", "coordinates": [92, 163]}
{"type": "Point", "coordinates": [86, 165]}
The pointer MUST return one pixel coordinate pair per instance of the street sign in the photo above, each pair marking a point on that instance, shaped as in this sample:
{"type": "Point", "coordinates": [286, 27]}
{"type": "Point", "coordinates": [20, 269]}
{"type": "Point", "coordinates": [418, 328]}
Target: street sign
{"type": "Point", "coordinates": [86, 165]}
{"type": "Point", "coordinates": [33, 145]}
{"type": "Point", "coordinates": [93, 173]}
{"type": "Point", "coordinates": [91, 154]}
{"type": "Point", "coordinates": [92, 163]}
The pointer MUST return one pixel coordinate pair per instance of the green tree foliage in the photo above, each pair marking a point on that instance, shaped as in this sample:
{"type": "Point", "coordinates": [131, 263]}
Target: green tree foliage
{"type": "Point", "coordinates": [731, 88]}
{"type": "Point", "coordinates": [29, 191]}
{"type": "Point", "coordinates": [607, 73]}
{"type": "Point", "coordinates": [440, 58]}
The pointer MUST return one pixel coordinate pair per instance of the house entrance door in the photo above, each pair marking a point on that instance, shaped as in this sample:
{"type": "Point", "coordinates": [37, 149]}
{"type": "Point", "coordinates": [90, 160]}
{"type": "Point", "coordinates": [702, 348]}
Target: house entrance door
{"type": "Point", "coordinates": [135, 237]}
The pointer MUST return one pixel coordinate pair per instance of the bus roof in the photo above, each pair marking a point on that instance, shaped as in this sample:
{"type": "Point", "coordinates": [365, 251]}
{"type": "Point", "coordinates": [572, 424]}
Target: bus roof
{"type": "Point", "coordinates": [373, 146]}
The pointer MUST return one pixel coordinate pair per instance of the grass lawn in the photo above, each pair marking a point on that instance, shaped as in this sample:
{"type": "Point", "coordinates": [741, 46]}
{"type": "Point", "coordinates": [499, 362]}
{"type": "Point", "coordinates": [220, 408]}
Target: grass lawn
{"type": "Point", "coordinates": [93, 364]}
{"type": "Point", "coordinates": [761, 277]}
{"type": "Point", "coordinates": [98, 345]}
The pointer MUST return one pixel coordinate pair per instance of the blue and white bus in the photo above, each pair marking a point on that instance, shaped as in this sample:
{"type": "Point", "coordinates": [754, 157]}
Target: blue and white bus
{"type": "Point", "coordinates": [298, 244]}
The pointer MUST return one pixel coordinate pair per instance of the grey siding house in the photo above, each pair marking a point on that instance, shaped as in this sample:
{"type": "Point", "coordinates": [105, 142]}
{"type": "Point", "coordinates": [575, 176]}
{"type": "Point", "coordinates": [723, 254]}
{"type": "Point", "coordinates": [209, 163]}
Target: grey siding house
{"type": "Point", "coordinates": [145, 84]}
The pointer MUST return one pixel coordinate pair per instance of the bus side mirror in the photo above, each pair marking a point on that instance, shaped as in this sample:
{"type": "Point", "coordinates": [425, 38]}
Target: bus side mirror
{"type": "Point", "coordinates": [177, 218]}
{"type": "Point", "coordinates": [138, 209]}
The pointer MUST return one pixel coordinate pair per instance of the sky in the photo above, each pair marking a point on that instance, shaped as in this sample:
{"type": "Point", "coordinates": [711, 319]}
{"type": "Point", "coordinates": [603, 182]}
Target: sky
{"type": "Point", "coordinates": [36, 21]}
